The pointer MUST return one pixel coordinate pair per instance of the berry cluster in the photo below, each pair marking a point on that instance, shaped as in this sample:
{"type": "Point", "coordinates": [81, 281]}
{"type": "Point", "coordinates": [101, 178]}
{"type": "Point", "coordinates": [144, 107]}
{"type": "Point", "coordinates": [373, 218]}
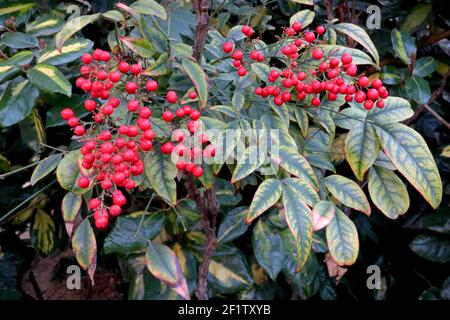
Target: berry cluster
{"type": "Point", "coordinates": [310, 72]}
{"type": "Point", "coordinates": [114, 144]}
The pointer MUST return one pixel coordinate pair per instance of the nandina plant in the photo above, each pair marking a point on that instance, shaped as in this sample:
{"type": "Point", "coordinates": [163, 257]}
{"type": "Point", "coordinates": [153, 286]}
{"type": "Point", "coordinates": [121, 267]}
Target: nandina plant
{"type": "Point", "coordinates": [166, 185]}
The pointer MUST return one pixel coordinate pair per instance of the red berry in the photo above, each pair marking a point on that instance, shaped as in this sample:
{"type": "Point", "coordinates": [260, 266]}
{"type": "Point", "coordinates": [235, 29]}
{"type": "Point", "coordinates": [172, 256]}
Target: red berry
{"type": "Point", "coordinates": [132, 131]}
{"type": "Point", "coordinates": [106, 184]}
{"type": "Point", "coordinates": [86, 58]}
{"type": "Point", "coordinates": [310, 37]}
{"type": "Point", "coordinates": [242, 71]}
{"type": "Point", "coordinates": [297, 26]}
{"type": "Point", "coordinates": [315, 101]}
{"type": "Point", "coordinates": [115, 76]}
{"type": "Point", "coordinates": [94, 203]}
{"type": "Point", "coordinates": [346, 58]}
{"type": "Point", "coordinates": [171, 96]}
{"type": "Point", "coordinates": [107, 110]}
{"type": "Point", "coordinates": [360, 96]}
{"type": "Point", "coordinates": [149, 134]}
{"type": "Point", "coordinates": [114, 102]}
{"type": "Point", "coordinates": [167, 116]}
{"type": "Point", "coordinates": [151, 85]}
{"type": "Point", "coordinates": [131, 87]}
{"type": "Point", "coordinates": [73, 122]}
{"type": "Point", "coordinates": [102, 75]}
{"type": "Point", "coordinates": [123, 67]}
{"type": "Point", "coordinates": [317, 54]}
{"type": "Point", "coordinates": [195, 114]}
{"type": "Point", "coordinates": [145, 113]}
{"type": "Point", "coordinates": [146, 145]}
{"type": "Point", "coordinates": [105, 56]}
{"type": "Point", "coordinates": [372, 94]}
{"type": "Point", "coordinates": [178, 135]}
{"type": "Point", "coordinates": [83, 182]}
{"type": "Point", "coordinates": [380, 104]}
{"type": "Point", "coordinates": [197, 171]}
{"type": "Point", "coordinates": [67, 113]}
{"type": "Point", "coordinates": [101, 223]}
{"type": "Point", "coordinates": [187, 110]}
{"type": "Point", "coordinates": [167, 147]}
{"type": "Point", "coordinates": [130, 184]}
{"type": "Point", "coordinates": [133, 106]}
{"type": "Point", "coordinates": [228, 47]}
{"type": "Point", "coordinates": [115, 210]}
{"type": "Point", "coordinates": [237, 55]}
{"type": "Point", "coordinates": [363, 81]}
{"type": "Point", "coordinates": [192, 95]}
{"type": "Point", "coordinates": [136, 69]}
{"type": "Point", "coordinates": [180, 165]}
{"type": "Point", "coordinates": [368, 104]}
{"type": "Point", "coordinates": [79, 130]}
{"type": "Point", "coordinates": [320, 30]}
{"type": "Point", "coordinates": [236, 63]}
{"type": "Point", "coordinates": [179, 113]}
{"type": "Point", "coordinates": [377, 83]}
{"type": "Point", "coordinates": [90, 105]}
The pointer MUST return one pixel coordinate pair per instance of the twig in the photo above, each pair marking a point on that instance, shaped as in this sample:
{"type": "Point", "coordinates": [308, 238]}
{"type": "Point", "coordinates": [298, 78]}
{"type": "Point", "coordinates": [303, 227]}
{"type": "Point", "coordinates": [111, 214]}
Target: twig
{"type": "Point", "coordinates": [202, 9]}
{"type": "Point", "coordinates": [330, 10]}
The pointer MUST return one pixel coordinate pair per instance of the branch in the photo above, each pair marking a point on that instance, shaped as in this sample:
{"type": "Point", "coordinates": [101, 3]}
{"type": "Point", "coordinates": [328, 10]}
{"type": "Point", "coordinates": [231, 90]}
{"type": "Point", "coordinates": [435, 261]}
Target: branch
{"type": "Point", "coordinates": [202, 9]}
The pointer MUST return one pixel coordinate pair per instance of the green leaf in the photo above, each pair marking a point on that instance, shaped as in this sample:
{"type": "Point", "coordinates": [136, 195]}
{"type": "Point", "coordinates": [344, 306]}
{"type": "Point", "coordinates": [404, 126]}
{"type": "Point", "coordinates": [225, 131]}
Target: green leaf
{"type": "Point", "coordinates": [359, 35]}
{"type": "Point", "coordinates": [229, 273]}
{"type": "Point", "coordinates": [198, 77]}
{"type": "Point", "coordinates": [323, 212]}
{"type": "Point", "coordinates": [142, 47]}
{"type": "Point", "coordinates": [161, 173]}
{"type": "Point", "coordinates": [336, 51]}
{"type": "Point", "coordinates": [68, 172]}
{"type": "Point", "coordinates": [131, 233]}
{"type": "Point", "coordinates": [409, 153]}
{"type": "Point", "coordinates": [267, 194]}
{"type": "Point", "coordinates": [347, 192]}
{"type": "Point", "coordinates": [162, 263]}
{"type": "Point", "coordinates": [294, 163]}
{"type": "Point", "coordinates": [50, 79]}
{"type": "Point", "coordinates": [392, 75]}
{"type": "Point", "coordinates": [404, 45]}
{"type": "Point", "coordinates": [424, 66]}
{"type": "Point", "coordinates": [54, 113]}
{"type": "Point", "coordinates": [72, 27]}
{"type": "Point", "coordinates": [43, 232]}
{"type": "Point", "coordinates": [361, 148]}
{"type": "Point", "coordinates": [302, 120]}
{"type": "Point", "coordinates": [262, 70]}
{"type": "Point", "coordinates": [305, 191]}
{"type": "Point", "coordinates": [268, 248]}
{"type": "Point", "coordinates": [21, 7]}
{"type": "Point", "coordinates": [85, 246]}
{"type": "Point", "coordinates": [19, 40]}
{"type": "Point", "coordinates": [300, 223]}
{"type": "Point", "coordinates": [251, 159]}
{"type": "Point", "coordinates": [433, 247]}
{"type": "Point", "coordinates": [233, 225]}
{"type": "Point", "coordinates": [11, 67]}
{"type": "Point", "coordinates": [418, 89]}
{"type": "Point", "coordinates": [72, 50]}
{"type": "Point", "coordinates": [342, 239]}
{"type": "Point", "coordinates": [388, 192]}
{"type": "Point", "coordinates": [70, 206]}
{"type": "Point", "coordinates": [45, 167]}
{"type": "Point", "coordinates": [305, 17]}
{"type": "Point", "coordinates": [45, 25]}
{"type": "Point", "coordinates": [395, 109]}
{"type": "Point", "coordinates": [149, 7]}
{"type": "Point", "coordinates": [113, 15]}
{"type": "Point", "coordinates": [17, 101]}
{"type": "Point", "coordinates": [417, 18]}
{"type": "Point", "coordinates": [349, 118]}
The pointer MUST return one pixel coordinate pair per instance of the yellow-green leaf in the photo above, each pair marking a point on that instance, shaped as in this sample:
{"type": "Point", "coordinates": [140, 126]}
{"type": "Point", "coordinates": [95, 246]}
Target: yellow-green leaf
{"type": "Point", "coordinates": [361, 148]}
{"type": "Point", "coordinates": [300, 223]}
{"type": "Point", "coordinates": [424, 66]}
{"type": "Point", "coordinates": [347, 192]}
{"type": "Point", "coordinates": [359, 57]}
{"type": "Point", "coordinates": [342, 239]}
{"type": "Point", "coordinates": [72, 50]}
{"type": "Point", "coordinates": [20, 7]}
{"type": "Point", "coordinates": [142, 47]}
{"type": "Point", "coordinates": [409, 153]}
{"type": "Point", "coordinates": [45, 25]}
{"type": "Point", "coordinates": [72, 27]}
{"type": "Point", "coordinates": [395, 109]}
{"type": "Point", "coordinates": [68, 172]}
{"type": "Point", "coordinates": [50, 79]}
{"type": "Point", "coordinates": [305, 191]}
{"type": "Point", "coordinates": [359, 35]}
{"type": "Point", "coordinates": [251, 159]}
{"type": "Point", "coordinates": [323, 212]}
{"type": "Point", "coordinates": [84, 245]}
{"type": "Point", "coordinates": [198, 77]}
{"type": "Point", "coordinates": [70, 206]}
{"type": "Point", "coordinates": [43, 232]}
{"type": "Point", "coordinates": [267, 194]}
{"type": "Point", "coordinates": [149, 7]}
{"type": "Point", "coordinates": [388, 192]}
{"type": "Point", "coordinates": [162, 263]}
{"type": "Point", "coordinates": [418, 89]}
{"type": "Point", "coordinates": [417, 18]}
{"type": "Point", "coordinates": [404, 45]}
{"type": "Point", "coordinates": [161, 173]}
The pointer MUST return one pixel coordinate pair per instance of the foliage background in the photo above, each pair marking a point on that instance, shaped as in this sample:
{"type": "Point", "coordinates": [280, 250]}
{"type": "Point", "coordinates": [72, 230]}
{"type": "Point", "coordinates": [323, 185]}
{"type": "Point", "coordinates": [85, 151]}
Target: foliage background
{"type": "Point", "coordinates": [413, 251]}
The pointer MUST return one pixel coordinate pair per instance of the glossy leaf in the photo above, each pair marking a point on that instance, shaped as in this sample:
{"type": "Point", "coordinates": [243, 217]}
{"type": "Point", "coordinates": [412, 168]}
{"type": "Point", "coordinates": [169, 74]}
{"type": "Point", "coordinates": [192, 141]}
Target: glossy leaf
{"type": "Point", "coordinates": [417, 18]}
{"type": "Point", "coordinates": [198, 77]}
{"type": "Point", "coordinates": [250, 160]}
{"type": "Point", "coordinates": [300, 223]}
{"type": "Point", "coordinates": [349, 118]}
{"type": "Point", "coordinates": [70, 206]}
{"type": "Point", "coordinates": [395, 109]}
{"type": "Point", "coordinates": [361, 148]}
{"type": "Point", "coordinates": [418, 89]}
{"type": "Point", "coordinates": [161, 173]}
{"type": "Point", "coordinates": [72, 27]}
{"type": "Point", "coordinates": [50, 79]}
{"type": "Point", "coordinates": [388, 192]}
{"type": "Point", "coordinates": [342, 239]}
{"type": "Point", "coordinates": [84, 245]}
{"type": "Point", "coordinates": [409, 153]}
{"type": "Point", "coordinates": [359, 35]}
{"type": "Point", "coordinates": [17, 101]}
{"type": "Point", "coordinates": [72, 50]}
{"type": "Point", "coordinates": [347, 192]}
{"type": "Point", "coordinates": [19, 40]}
{"type": "Point", "coordinates": [323, 212]}
{"type": "Point", "coordinates": [262, 70]}
{"type": "Point", "coordinates": [267, 194]}
{"type": "Point", "coordinates": [305, 191]}
{"type": "Point", "coordinates": [149, 7]}
{"type": "Point", "coordinates": [131, 233]}
{"type": "Point", "coordinates": [141, 47]}
{"type": "Point", "coordinates": [162, 262]}
{"type": "Point", "coordinates": [305, 17]}
{"type": "Point", "coordinates": [424, 66]}
{"type": "Point", "coordinates": [68, 172]}
{"type": "Point", "coordinates": [432, 247]}
{"type": "Point", "coordinates": [43, 232]}
{"type": "Point", "coordinates": [359, 57]}
{"type": "Point", "coordinates": [45, 25]}
{"type": "Point", "coordinates": [268, 248]}
{"type": "Point", "coordinates": [404, 45]}
{"type": "Point", "coordinates": [233, 225]}
{"type": "Point", "coordinates": [45, 167]}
